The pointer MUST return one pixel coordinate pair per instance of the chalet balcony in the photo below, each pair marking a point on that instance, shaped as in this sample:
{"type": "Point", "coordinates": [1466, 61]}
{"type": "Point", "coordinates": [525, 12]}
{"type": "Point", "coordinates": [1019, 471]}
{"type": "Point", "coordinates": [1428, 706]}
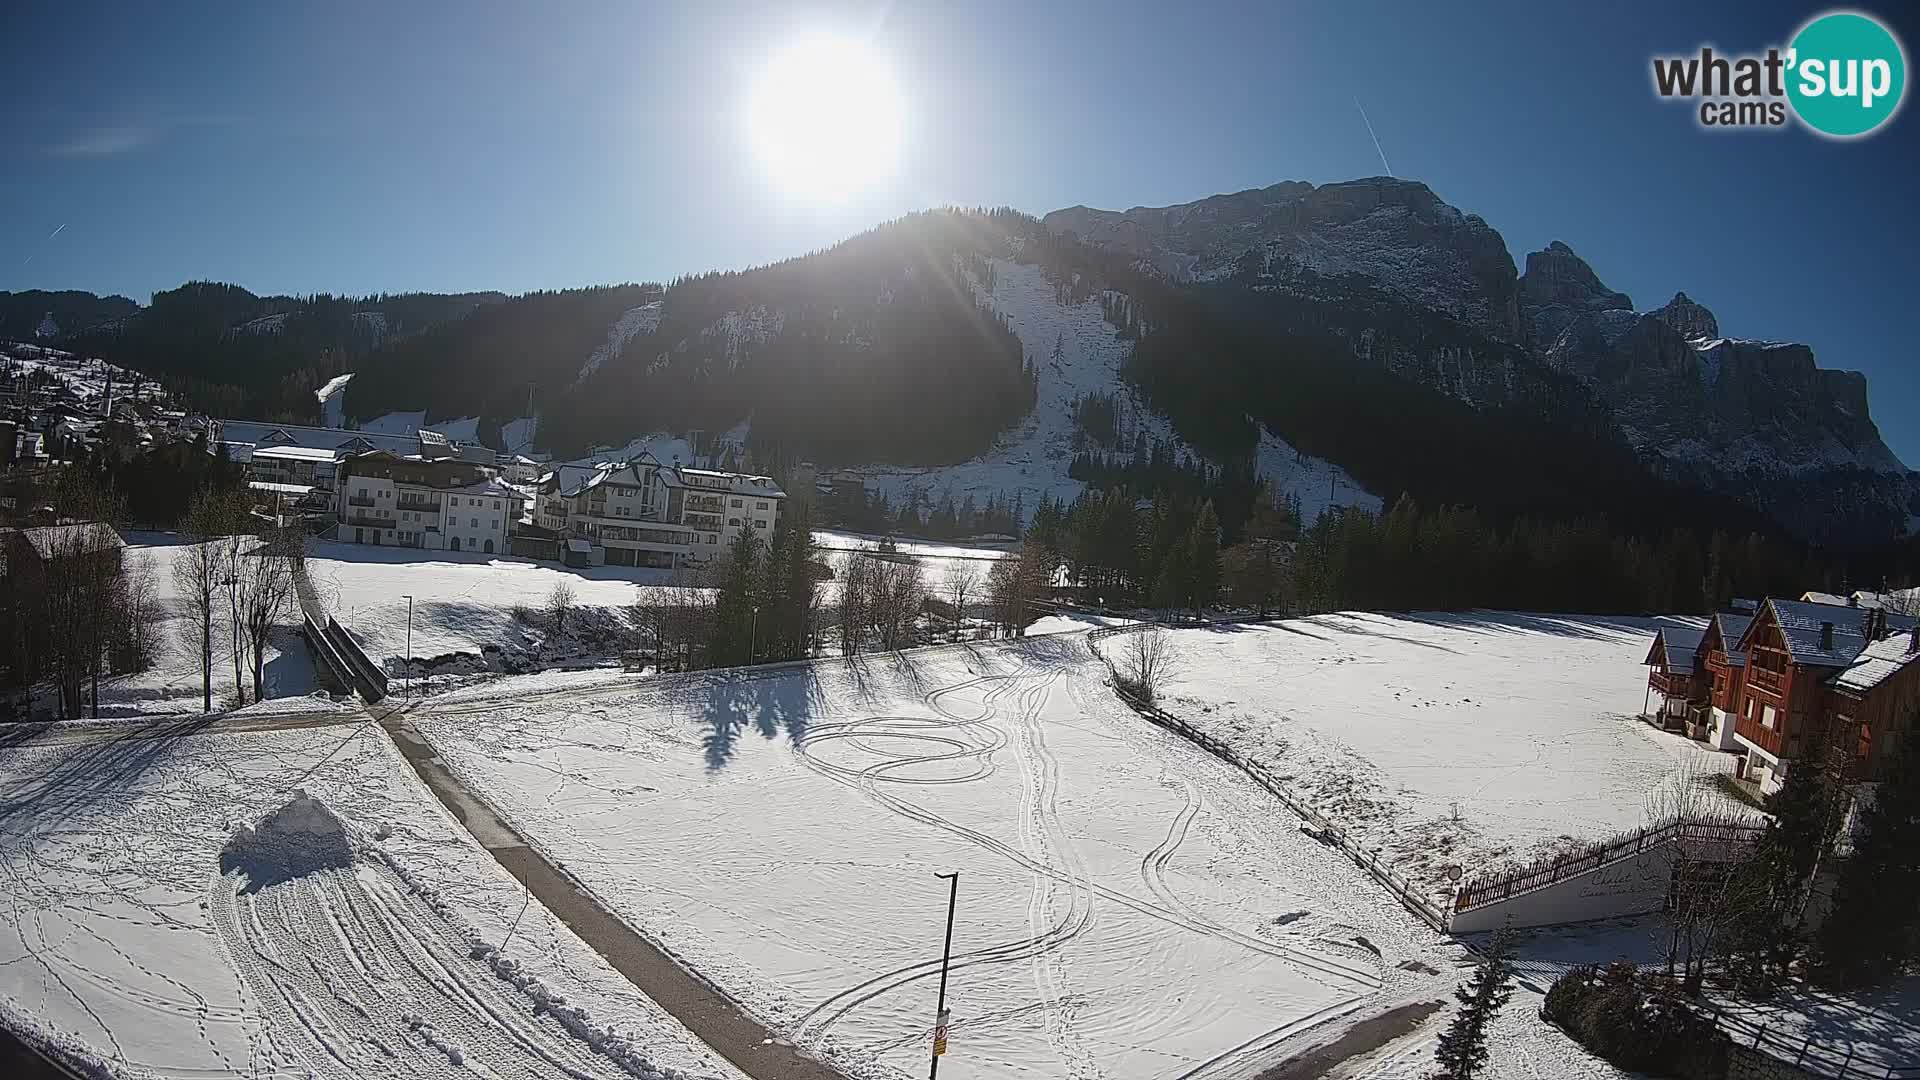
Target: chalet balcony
{"type": "Point", "coordinates": [1773, 682]}
{"type": "Point", "coordinates": [708, 522]}
{"type": "Point", "coordinates": [706, 504]}
{"type": "Point", "coordinates": [1672, 684]}
{"type": "Point", "coordinates": [368, 521]}
{"type": "Point", "coordinates": [418, 504]}
{"type": "Point", "coordinates": [359, 500]}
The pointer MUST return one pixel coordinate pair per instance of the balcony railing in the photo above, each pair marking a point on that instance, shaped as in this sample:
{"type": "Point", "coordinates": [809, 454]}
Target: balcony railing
{"type": "Point", "coordinates": [1672, 684]}
{"type": "Point", "coordinates": [1766, 679]}
{"type": "Point", "coordinates": [359, 500]}
{"type": "Point", "coordinates": [418, 504]}
{"type": "Point", "coordinates": [368, 520]}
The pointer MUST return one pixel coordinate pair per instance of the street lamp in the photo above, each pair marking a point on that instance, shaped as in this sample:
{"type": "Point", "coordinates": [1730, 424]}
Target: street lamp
{"type": "Point", "coordinates": [946, 958]}
{"type": "Point", "coordinates": [753, 634]}
{"type": "Point", "coordinates": [409, 689]}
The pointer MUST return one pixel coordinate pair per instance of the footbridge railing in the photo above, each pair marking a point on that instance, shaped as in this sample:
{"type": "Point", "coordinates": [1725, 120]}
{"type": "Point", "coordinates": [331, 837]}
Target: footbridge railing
{"type": "Point", "coordinates": [1480, 892]}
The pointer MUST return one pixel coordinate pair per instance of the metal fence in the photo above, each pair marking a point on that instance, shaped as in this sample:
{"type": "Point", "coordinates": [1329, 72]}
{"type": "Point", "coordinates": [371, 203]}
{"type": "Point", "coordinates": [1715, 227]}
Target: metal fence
{"type": "Point", "coordinates": [1478, 893]}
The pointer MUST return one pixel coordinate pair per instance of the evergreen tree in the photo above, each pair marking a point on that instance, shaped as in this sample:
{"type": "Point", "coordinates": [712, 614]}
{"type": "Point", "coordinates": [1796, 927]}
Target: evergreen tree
{"type": "Point", "coordinates": [1874, 927]}
{"type": "Point", "coordinates": [1463, 1047]}
{"type": "Point", "coordinates": [736, 609]}
{"type": "Point", "coordinates": [1203, 558]}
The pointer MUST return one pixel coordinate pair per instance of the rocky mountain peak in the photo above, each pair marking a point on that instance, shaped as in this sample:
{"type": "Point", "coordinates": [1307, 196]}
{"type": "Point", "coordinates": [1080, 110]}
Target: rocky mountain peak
{"type": "Point", "coordinates": [1559, 287]}
{"type": "Point", "coordinates": [1690, 319]}
{"type": "Point", "coordinates": [1397, 233]}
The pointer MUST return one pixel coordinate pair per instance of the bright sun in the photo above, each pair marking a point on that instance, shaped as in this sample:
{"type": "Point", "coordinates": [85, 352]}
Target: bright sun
{"type": "Point", "coordinates": [825, 117]}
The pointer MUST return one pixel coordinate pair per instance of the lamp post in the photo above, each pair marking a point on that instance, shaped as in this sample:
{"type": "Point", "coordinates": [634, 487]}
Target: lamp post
{"type": "Point", "coordinates": [409, 597]}
{"type": "Point", "coordinates": [946, 959]}
{"type": "Point", "coordinates": [753, 634]}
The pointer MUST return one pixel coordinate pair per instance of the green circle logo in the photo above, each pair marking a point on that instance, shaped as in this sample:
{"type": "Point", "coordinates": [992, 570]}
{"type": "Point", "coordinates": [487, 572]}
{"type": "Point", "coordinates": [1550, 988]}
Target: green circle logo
{"type": "Point", "coordinates": [1846, 74]}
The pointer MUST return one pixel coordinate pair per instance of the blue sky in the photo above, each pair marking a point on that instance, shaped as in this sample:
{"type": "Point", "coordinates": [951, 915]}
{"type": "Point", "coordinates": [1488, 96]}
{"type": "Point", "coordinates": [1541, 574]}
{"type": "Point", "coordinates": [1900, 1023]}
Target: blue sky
{"type": "Point", "coordinates": [364, 148]}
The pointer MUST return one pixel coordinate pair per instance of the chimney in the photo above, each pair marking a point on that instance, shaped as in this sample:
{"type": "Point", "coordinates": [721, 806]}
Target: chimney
{"type": "Point", "coordinates": [1826, 636]}
{"type": "Point", "coordinates": [1853, 599]}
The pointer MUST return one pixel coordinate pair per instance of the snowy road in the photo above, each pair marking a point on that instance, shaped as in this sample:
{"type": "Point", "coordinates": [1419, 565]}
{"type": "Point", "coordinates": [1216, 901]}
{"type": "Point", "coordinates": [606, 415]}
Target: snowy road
{"type": "Point", "coordinates": [1129, 907]}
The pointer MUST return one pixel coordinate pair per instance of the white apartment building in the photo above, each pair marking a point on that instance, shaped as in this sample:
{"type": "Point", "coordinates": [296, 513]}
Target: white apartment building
{"type": "Point", "coordinates": [643, 513]}
{"type": "Point", "coordinates": [442, 505]}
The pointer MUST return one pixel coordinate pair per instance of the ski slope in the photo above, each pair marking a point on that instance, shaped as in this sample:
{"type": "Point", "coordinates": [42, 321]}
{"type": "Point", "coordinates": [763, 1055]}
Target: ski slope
{"type": "Point", "coordinates": [1128, 906]}
{"type": "Point", "coordinates": [1031, 461]}
{"type": "Point", "coordinates": [286, 903]}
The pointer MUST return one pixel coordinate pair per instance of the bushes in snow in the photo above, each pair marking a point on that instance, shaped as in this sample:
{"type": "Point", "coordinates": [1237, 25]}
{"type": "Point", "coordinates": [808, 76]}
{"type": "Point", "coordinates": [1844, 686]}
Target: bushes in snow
{"type": "Point", "coordinates": [1621, 1015]}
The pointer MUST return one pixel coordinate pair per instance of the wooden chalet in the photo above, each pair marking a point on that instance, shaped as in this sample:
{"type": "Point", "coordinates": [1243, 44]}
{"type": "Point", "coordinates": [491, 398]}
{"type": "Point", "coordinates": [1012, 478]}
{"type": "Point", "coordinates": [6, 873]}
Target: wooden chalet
{"type": "Point", "coordinates": [1805, 683]}
{"type": "Point", "coordinates": [1676, 679]}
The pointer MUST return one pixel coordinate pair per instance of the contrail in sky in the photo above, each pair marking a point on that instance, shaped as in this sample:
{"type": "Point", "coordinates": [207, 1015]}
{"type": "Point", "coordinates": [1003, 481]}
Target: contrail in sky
{"type": "Point", "coordinates": [56, 232]}
{"type": "Point", "coordinates": [1376, 138]}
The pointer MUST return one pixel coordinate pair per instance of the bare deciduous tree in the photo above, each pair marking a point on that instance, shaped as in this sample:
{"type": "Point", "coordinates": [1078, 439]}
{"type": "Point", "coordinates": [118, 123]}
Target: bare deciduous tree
{"type": "Point", "coordinates": [962, 582]}
{"type": "Point", "coordinates": [856, 578]}
{"type": "Point", "coordinates": [1147, 661]}
{"type": "Point", "coordinates": [559, 605]}
{"type": "Point", "coordinates": [897, 597]}
{"type": "Point", "coordinates": [197, 579]}
{"type": "Point", "coordinates": [265, 591]}
{"type": "Point", "coordinates": [1713, 886]}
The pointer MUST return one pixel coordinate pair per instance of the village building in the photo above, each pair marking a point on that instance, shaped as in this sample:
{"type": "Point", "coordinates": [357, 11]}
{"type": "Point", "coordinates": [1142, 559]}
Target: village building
{"type": "Point", "coordinates": [438, 503]}
{"type": "Point", "coordinates": [643, 513]}
{"type": "Point", "coordinates": [1792, 676]}
{"type": "Point", "coordinates": [1797, 655]}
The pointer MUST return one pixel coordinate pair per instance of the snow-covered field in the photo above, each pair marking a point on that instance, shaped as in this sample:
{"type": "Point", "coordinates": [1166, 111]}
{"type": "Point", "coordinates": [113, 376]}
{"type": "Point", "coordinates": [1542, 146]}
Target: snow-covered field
{"type": "Point", "coordinates": [141, 929]}
{"type": "Point", "coordinates": [1446, 741]}
{"type": "Point", "coordinates": [1128, 905]}
{"type": "Point", "coordinates": [940, 564]}
{"type": "Point", "coordinates": [462, 601]}
{"type": "Point", "coordinates": [87, 377]}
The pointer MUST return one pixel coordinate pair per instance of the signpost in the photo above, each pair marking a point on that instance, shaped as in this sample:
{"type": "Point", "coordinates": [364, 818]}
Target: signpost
{"type": "Point", "coordinates": [946, 959]}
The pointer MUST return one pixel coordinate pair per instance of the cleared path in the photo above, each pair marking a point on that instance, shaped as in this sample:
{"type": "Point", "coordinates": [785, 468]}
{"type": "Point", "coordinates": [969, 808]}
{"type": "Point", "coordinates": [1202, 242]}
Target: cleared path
{"type": "Point", "coordinates": [712, 1016]}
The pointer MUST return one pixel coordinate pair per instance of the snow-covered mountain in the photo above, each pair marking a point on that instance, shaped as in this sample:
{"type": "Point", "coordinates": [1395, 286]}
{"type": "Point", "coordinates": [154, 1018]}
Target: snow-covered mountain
{"type": "Point", "coordinates": [1760, 421]}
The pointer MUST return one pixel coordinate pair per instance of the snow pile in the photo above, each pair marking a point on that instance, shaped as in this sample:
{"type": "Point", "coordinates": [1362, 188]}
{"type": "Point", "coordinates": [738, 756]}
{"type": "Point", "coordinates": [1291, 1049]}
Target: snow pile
{"type": "Point", "coordinates": [302, 837]}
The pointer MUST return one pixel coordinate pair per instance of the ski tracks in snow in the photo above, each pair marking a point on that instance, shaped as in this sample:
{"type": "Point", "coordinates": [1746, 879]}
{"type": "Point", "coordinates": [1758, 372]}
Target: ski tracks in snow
{"type": "Point", "coordinates": [1065, 899]}
{"type": "Point", "coordinates": [371, 982]}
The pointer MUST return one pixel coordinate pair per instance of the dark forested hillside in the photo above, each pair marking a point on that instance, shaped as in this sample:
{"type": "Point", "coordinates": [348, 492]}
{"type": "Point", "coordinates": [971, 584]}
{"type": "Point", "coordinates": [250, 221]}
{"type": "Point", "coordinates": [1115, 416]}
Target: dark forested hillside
{"type": "Point", "coordinates": [1222, 359]}
{"type": "Point", "coordinates": [873, 350]}
{"type": "Point", "coordinates": [230, 352]}
{"type": "Point", "coordinates": [21, 312]}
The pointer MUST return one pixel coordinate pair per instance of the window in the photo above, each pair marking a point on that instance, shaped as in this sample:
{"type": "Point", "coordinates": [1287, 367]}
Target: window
{"type": "Point", "coordinates": [494, 524]}
{"type": "Point", "coordinates": [496, 504]}
{"type": "Point", "coordinates": [473, 523]}
{"type": "Point", "coordinates": [761, 505]}
{"type": "Point", "coordinates": [738, 503]}
{"type": "Point", "coordinates": [760, 524]}
{"type": "Point", "coordinates": [1767, 717]}
{"type": "Point", "coordinates": [735, 522]}
{"type": "Point", "coordinates": [712, 539]}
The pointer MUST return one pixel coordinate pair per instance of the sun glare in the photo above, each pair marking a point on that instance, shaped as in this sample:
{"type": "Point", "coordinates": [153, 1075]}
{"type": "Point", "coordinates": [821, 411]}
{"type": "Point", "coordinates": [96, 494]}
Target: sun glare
{"type": "Point", "coordinates": [825, 117]}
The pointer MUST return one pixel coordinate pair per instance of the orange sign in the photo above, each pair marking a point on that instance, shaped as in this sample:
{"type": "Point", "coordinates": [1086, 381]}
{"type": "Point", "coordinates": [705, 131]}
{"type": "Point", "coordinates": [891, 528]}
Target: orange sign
{"type": "Point", "coordinates": [940, 1034]}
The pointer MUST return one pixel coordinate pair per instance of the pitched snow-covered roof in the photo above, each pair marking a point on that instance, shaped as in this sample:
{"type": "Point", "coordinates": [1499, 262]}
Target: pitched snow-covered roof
{"type": "Point", "coordinates": [51, 540]}
{"type": "Point", "coordinates": [1732, 628]}
{"type": "Point", "coordinates": [1675, 646]}
{"type": "Point", "coordinates": [1812, 596]}
{"type": "Point", "coordinates": [1877, 663]}
{"type": "Point", "coordinates": [1801, 625]}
